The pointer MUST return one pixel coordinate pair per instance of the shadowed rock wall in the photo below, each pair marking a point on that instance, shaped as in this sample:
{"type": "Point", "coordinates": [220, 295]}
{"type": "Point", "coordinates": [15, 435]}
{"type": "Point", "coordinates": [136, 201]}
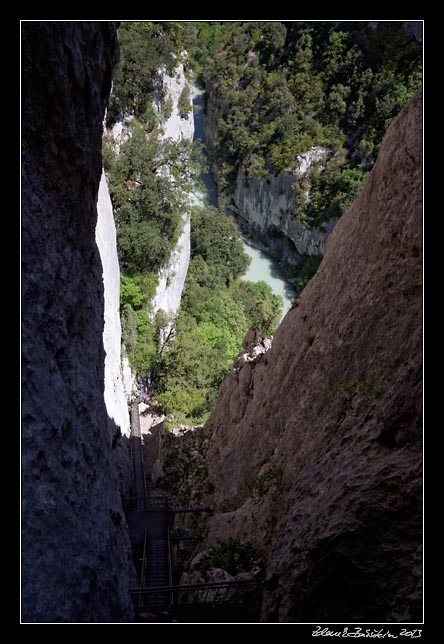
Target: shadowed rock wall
{"type": "Point", "coordinates": [315, 447]}
{"type": "Point", "coordinates": [75, 546]}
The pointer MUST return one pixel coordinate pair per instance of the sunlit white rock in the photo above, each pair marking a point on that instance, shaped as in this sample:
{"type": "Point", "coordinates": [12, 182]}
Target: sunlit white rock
{"type": "Point", "coordinates": [115, 398]}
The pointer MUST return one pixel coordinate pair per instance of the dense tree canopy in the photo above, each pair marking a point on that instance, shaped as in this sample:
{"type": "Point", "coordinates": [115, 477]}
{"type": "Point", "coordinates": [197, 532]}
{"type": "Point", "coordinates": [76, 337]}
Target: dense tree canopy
{"type": "Point", "coordinates": [280, 88]}
{"type": "Point", "coordinates": [216, 311]}
{"type": "Point", "coordinates": [149, 182]}
{"type": "Point", "coordinates": [145, 48]}
{"type": "Point", "coordinates": [277, 89]}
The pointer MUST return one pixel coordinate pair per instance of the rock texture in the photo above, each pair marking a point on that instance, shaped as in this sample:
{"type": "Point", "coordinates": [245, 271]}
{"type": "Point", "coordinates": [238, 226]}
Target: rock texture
{"type": "Point", "coordinates": [175, 127]}
{"type": "Point", "coordinates": [315, 446]}
{"type": "Point", "coordinates": [75, 545]}
{"type": "Point", "coordinates": [172, 276]}
{"type": "Point", "coordinates": [128, 378]}
{"type": "Point", "coordinates": [115, 395]}
{"type": "Point", "coordinates": [267, 206]}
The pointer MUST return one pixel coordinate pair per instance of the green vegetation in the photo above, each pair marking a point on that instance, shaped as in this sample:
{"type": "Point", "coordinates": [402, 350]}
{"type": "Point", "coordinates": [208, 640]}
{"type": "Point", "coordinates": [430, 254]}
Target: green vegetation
{"type": "Point", "coordinates": [150, 180]}
{"type": "Point", "coordinates": [203, 40]}
{"type": "Point", "coordinates": [332, 190]}
{"type": "Point", "coordinates": [216, 311]}
{"type": "Point", "coordinates": [308, 268]}
{"type": "Point", "coordinates": [348, 390]}
{"type": "Point", "coordinates": [145, 47]}
{"type": "Point", "coordinates": [184, 103]}
{"type": "Point", "coordinates": [232, 555]}
{"type": "Point", "coordinates": [259, 485]}
{"type": "Point", "coordinates": [139, 332]}
{"type": "Point", "coordinates": [170, 457]}
{"type": "Point", "coordinates": [276, 89]}
{"type": "Point", "coordinates": [281, 88]}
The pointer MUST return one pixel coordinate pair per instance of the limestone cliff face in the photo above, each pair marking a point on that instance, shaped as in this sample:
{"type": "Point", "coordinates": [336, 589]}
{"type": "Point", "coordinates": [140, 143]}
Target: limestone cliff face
{"type": "Point", "coordinates": [172, 276]}
{"type": "Point", "coordinates": [75, 546]}
{"type": "Point", "coordinates": [315, 447]}
{"type": "Point", "coordinates": [171, 87]}
{"type": "Point", "coordinates": [115, 395]}
{"type": "Point", "coordinates": [267, 206]}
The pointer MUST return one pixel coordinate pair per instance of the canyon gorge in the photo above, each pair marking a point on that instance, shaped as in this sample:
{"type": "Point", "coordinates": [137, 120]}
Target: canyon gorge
{"type": "Point", "coordinates": [312, 452]}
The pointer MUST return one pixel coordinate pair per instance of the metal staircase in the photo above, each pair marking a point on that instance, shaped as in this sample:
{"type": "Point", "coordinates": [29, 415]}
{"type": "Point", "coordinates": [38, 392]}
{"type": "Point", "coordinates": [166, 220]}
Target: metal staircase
{"type": "Point", "coordinates": [149, 520]}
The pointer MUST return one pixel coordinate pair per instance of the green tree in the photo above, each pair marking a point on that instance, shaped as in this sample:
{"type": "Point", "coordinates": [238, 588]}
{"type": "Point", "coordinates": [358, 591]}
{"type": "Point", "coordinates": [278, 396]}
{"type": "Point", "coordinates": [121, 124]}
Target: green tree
{"type": "Point", "coordinates": [217, 309]}
{"type": "Point", "coordinates": [149, 184]}
{"type": "Point", "coordinates": [262, 307]}
{"type": "Point", "coordinates": [144, 48]}
{"type": "Point", "coordinates": [281, 88]}
{"type": "Point", "coordinates": [216, 240]}
{"type": "Point", "coordinates": [184, 104]}
{"type": "Point", "coordinates": [309, 267]}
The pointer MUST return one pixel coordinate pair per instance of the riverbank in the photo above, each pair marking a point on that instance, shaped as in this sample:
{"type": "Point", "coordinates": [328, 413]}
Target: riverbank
{"type": "Point", "coordinates": [265, 265]}
{"type": "Point", "coordinates": [264, 268]}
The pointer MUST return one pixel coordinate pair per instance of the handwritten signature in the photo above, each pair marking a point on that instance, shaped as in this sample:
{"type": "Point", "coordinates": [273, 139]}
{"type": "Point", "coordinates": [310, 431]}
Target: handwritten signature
{"type": "Point", "coordinates": [359, 632]}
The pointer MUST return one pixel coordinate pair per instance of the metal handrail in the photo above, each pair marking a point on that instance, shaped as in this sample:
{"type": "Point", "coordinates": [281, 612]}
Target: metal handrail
{"type": "Point", "coordinates": [170, 566]}
{"type": "Point", "coordinates": [142, 574]}
{"type": "Point", "coordinates": [209, 584]}
{"type": "Point", "coordinates": [179, 593]}
{"type": "Point", "coordinates": [151, 504]}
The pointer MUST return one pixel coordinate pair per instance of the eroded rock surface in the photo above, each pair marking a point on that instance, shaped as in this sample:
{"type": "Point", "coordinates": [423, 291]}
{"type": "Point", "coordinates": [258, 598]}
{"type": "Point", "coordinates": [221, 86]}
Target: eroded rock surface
{"type": "Point", "coordinates": [75, 546]}
{"type": "Point", "coordinates": [315, 450]}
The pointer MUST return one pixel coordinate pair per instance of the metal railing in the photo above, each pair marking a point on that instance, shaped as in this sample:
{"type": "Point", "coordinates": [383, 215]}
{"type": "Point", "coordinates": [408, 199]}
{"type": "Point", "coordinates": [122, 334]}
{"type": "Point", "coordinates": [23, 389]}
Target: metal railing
{"type": "Point", "coordinates": [151, 504]}
{"type": "Point", "coordinates": [190, 510]}
{"type": "Point", "coordinates": [160, 504]}
{"type": "Point", "coordinates": [170, 566]}
{"type": "Point", "coordinates": [142, 573]}
{"type": "Point", "coordinates": [225, 592]}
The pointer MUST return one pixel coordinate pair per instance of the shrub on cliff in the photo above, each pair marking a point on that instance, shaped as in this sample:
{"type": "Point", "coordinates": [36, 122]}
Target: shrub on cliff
{"type": "Point", "coordinates": [144, 48]}
{"type": "Point", "coordinates": [184, 104]}
{"type": "Point", "coordinates": [232, 555]}
{"type": "Point", "coordinates": [149, 181]}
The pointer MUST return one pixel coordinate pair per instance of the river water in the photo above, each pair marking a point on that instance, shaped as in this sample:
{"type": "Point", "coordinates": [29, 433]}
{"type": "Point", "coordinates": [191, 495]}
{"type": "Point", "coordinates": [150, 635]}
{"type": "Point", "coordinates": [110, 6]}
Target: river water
{"type": "Point", "coordinates": [263, 267]}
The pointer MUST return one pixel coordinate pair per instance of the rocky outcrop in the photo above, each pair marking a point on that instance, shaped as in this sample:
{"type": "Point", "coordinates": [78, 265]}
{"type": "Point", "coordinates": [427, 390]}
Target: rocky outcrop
{"type": "Point", "coordinates": [315, 446]}
{"type": "Point", "coordinates": [115, 396]}
{"type": "Point", "coordinates": [253, 346]}
{"type": "Point", "coordinates": [172, 276]}
{"type": "Point", "coordinates": [267, 206]}
{"type": "Point", "coordinates": [175, 126]}
{"type": "Point", "coordinates": [75, 546]}
{"type": "Point", "coordinates": [128, 378]}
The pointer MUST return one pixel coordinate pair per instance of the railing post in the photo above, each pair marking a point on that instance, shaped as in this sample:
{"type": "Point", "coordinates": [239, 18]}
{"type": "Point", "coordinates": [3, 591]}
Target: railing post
{"type": "Point", "coordinates": [170, 572]}
{"type": "Point", "coordinates": [142, 574]}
